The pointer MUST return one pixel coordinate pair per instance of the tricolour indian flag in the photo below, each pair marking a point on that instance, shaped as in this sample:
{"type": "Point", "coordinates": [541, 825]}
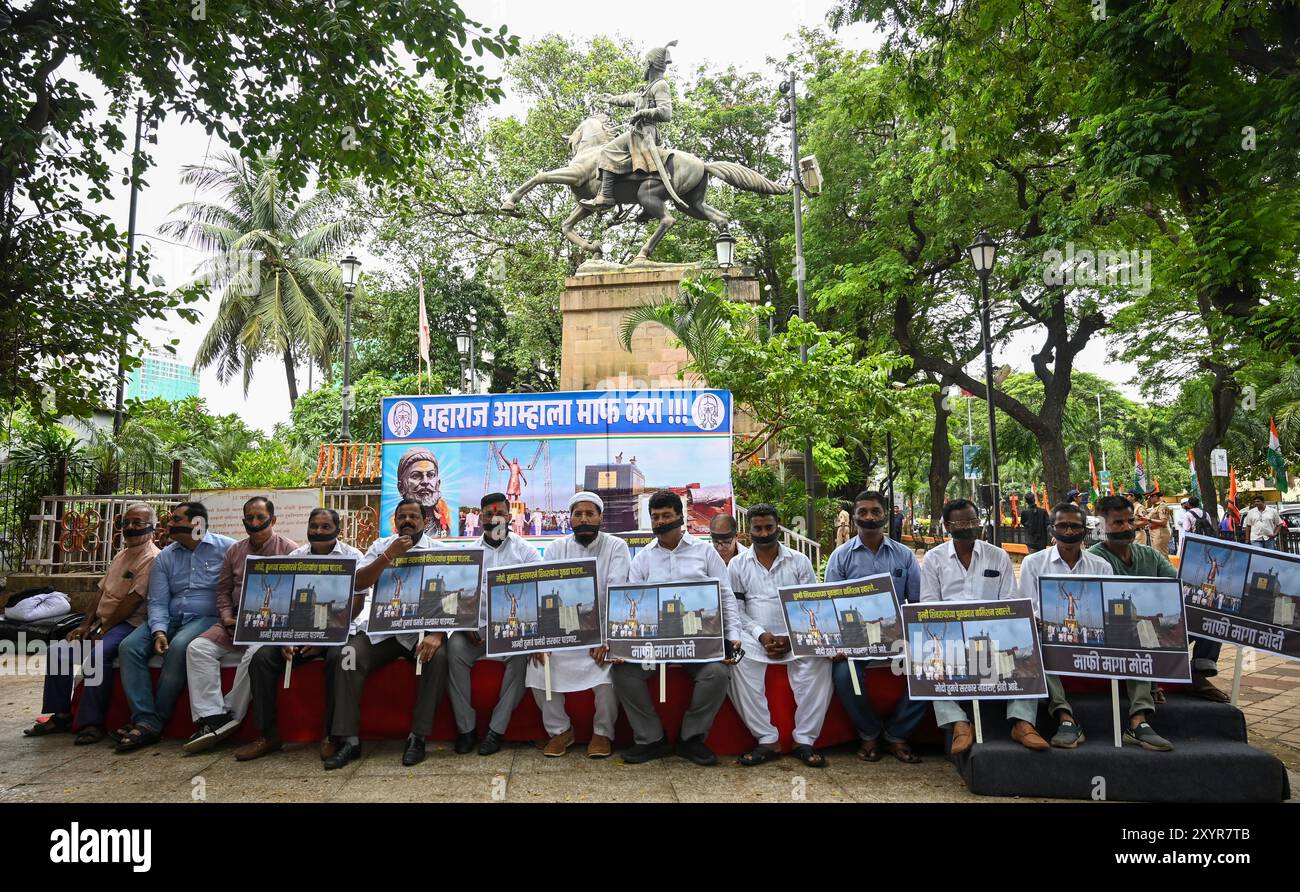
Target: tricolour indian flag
{"type": "Point", "coordinates": [1275, 458]}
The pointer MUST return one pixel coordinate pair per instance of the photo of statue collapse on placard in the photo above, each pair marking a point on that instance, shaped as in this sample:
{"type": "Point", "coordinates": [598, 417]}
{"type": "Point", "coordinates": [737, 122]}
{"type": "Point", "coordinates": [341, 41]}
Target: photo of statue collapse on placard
{"type": "Point", "coordinates": [1113, 627]}
{"type": "Point", "coordinates": [1241, 594]}
{"type": "Point", "coordinates": [435, 590]}
{"type": "Point", "coordinates": [678, 622]}
{"type": "Point", "coordinates": [858, 618]}
{"type": "Point", "coordinates": [304, 599]}
{"type": "Point", "coordinates": [982, 650]}
{"type": "Point", "coordinates": [542, 607]}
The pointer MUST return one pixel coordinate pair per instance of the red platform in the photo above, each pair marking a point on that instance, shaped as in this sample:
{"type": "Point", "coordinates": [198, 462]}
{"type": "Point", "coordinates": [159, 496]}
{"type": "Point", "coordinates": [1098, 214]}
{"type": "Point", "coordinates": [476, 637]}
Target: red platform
{"type": "Point", "coordinates": [390, 696]}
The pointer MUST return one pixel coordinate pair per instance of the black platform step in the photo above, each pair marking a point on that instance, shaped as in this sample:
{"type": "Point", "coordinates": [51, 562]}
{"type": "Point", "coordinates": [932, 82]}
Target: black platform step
{"type": "Point", "coordinates": [1211, 761]}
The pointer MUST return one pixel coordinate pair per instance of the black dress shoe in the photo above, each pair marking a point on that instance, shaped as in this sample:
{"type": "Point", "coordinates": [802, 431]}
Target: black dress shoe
{"type": "Point", "coordinates": [414, 754]}
{"type": "Point", "coordinates": [644, 752]}
{"type": "Point", "coordinates": [695, 750]}
{"type": "Point", "coordinates": [466, 742]}
{"type": "Point", "coordinates": [491, 743]}
{"type": "Point", "coordinates": [345, 754]}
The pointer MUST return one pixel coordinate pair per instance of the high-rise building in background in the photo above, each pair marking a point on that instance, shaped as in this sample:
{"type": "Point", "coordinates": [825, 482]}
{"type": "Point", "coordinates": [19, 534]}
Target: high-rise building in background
{"type": "Point", "coordinates": [161, 375]}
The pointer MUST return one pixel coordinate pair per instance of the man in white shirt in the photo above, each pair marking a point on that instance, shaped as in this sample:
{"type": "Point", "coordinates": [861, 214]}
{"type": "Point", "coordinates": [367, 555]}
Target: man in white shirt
{"type": "Point", "coordinates": [1261, 523]}
{"type": "Point", "coordinates": [575, 670]}
{"type": "Point", "coordinates": [500, 549]}
{"type": "Point", "coordinates": [756, 575]}
{"type": "Point", "coordinates": [348, 666]}
{"type": "Point", "coordinates": [266, 667]}
{"type": "Point", "coordinates": [723, 531]}
{"type": "Point", "coordinates": [969, 569]}
{"type": "Point", "coordinates": [1068, 558]}
{"type": "Point", "coordinates": [676, 556]}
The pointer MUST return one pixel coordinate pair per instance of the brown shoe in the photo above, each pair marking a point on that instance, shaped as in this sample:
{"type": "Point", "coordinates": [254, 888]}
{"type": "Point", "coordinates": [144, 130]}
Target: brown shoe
{"type": "Point", "coordinates": [962, 737]}
{"type": "Point", "coordinates": [558, 744]}
{"type": "Point", "coordinates": [1027, 736]}
{"type": "Point", "coordinates": [328, 747]}
{"type": "Point", "coordinates": [600, 747]}
{"type": "Point", "coordinates": [260, 747]}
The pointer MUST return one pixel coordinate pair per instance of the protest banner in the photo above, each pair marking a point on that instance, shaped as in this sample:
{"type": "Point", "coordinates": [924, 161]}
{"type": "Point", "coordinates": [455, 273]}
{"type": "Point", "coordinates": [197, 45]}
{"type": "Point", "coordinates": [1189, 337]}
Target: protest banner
{"type": "Point", "coordinates": [973, 650]}
{"type": "Point", "coordinates": [303, 599]}
{"type": "Point", "coordinates": [667, 622]}
{"type": "Point", "coordinates": [535, 608]}
{"type": "Point", "coordinates": [1241, 594]}
{"type": "Point", "coordinates": [857, 617]}
{"type": "Point", "coordinates": [293, 507]}
{"type": "Point", "coordinates": [636, 541]}
{"type": "Point", "coordinates": [540, 448]}
{"type": "Point", "coordinates": [428, 590]}
{"type": "Point", "coordinates": [1113, 627]}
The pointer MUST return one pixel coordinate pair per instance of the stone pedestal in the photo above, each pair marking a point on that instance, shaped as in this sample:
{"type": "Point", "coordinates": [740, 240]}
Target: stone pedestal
{"type": "Point", "coordinates": [593, 307]}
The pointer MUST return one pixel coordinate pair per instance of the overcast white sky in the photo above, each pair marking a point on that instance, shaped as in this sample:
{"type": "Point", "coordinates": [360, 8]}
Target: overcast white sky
{"type": "Point", "coordinates": [717, 33]}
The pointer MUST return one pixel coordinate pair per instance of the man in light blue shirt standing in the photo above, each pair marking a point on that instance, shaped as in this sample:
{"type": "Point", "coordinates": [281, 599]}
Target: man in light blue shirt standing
{"type": "Point", "coordinates": [182, 606]}
{"type": "Point", "coordinates": [871, 553]}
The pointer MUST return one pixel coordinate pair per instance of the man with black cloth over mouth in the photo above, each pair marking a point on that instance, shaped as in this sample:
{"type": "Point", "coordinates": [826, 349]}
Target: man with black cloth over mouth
{"type": "Point", "coordinates": [349, 665]}
{"type": "Point", "coordinates": [677, 556]}
{"type": "Point", "coordinates": [500, 549]}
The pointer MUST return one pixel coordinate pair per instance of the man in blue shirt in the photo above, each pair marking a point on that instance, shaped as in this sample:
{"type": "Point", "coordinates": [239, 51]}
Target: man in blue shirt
{"type": "Point", "coordinates": [871, 553]}
{"type": "Point", "coordinates": [182, 606]}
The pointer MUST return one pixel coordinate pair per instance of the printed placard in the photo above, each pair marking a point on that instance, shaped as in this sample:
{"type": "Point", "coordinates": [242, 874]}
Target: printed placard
{"type": "Point", "coordinates": [543, 607]}
{"type": "Point", "coordinates": [303, 599]}
{"type": "Point", "coordinates": [1241, 594]}
{"type": "Point", "coordinates": [429, 590]}
{"type": "Point", "coordinates": [973, 650]}
{"type": "Point", "coordinates": [858, 618]}
{"type": "Point", "coordinates": [665, 622]}
{"type": "Point", "coordinates": [1113, 627]}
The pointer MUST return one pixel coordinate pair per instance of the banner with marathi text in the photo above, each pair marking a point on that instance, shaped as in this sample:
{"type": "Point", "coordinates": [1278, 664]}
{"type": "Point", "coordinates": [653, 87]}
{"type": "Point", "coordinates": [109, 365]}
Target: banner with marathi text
{"type": "Point", "coordinates": [857, 617]}
{"type": "Point", "coordinates": [1241, 594]}
{"type": "Point", "coordinates": [541, 448]}
{"type": "Point", "coordinates": [973, 650]}
{"type": "Point", "coordinates": [1113, 627]}
{"type": "Point", "coordinates": [303, 599]}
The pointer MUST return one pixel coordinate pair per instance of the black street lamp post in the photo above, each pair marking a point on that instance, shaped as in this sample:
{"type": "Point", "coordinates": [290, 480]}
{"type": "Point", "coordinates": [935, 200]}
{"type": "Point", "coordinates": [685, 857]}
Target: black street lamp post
{"type": "Point", "coordinates": [351, 268]}
{"type": "Point", "coordinates": [983, 254]}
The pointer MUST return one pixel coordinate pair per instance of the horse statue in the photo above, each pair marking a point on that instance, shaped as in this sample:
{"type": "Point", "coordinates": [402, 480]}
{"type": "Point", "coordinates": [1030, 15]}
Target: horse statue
{"type": "Point", "coordinates": [688, 175]}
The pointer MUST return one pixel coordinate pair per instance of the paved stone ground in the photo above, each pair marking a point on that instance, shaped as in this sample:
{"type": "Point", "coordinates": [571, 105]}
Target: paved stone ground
{"type": "Point", "coordinates": [52, 769]}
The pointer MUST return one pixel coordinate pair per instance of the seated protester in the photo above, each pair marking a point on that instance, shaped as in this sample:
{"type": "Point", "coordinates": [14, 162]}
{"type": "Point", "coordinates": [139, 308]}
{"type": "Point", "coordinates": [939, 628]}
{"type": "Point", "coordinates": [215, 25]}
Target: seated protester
{"type": "Point", "coordinates": [182, 605]}
{"type": "Point", "coordinates": [573, 670]}
{"type": "Point", "coordinates": [500, 549]}
{"type": "Point", "coordinates": [219, 717]}
{"type": "Point", "coordinates": [1067, 557]}
{"type": "Point", "coordinates": [676, 556]}
{"type": "Point", "coordinates": [347, 667]}
{"type": "Point", "coordinates": [266, 668]}
{"type": "Point", "coordinates": [1129, 558]}
{"type": "Point", "coordinates": [969, 569]}
{"type": "Point", "coordinates": [723, 530]}
{"type": "Point", "coordinates": [755, 577]}
{"type": "Point", "coordinates": [870, 553]}
{"type": "Point", "coordinates": [119, 609]}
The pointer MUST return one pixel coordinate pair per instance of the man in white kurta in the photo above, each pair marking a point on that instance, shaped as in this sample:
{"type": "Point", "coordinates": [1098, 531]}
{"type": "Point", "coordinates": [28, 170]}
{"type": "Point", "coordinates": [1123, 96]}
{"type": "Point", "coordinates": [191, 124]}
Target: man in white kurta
{"type": "Point", "coordinates": [500, 549]}
{"type": "Point", "coordinates": [580, 670]}
{"type": "Point", "coordinates": [756, 575]}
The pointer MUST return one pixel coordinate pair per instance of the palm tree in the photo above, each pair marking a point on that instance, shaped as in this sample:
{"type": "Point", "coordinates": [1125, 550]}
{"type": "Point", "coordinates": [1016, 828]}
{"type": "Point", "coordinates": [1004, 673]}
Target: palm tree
{"type": "Point", "coordinates": [270, 262]}
{"type": "Point", "coordinates": [696, 316]}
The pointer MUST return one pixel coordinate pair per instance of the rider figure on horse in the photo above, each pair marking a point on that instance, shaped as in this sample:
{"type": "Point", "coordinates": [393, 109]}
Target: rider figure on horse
{"type": "Point", "coordinates": [635, 151]}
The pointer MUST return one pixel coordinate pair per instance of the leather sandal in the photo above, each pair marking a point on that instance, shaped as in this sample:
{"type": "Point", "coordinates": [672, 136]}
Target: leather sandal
{"type": "Point", "coordinates": [809, 756]}
{"type": "Point", "coordinates": [870, 750]}
{"type": "Point", "coordinates": [758, 755]}
{"type": "Point", "coordinates": [903, 753]}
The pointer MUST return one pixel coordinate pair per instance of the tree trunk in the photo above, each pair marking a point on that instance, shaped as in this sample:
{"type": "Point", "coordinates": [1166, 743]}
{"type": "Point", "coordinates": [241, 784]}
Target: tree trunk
{"type": "Point", "coordinates": [291, 376]}
{"type": "Point", "coordinates": [1056, 467]}
{"type": "Point", "coordinates": [1223, 395]}
{"type": "Point", "coordinates": [940, 459]}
